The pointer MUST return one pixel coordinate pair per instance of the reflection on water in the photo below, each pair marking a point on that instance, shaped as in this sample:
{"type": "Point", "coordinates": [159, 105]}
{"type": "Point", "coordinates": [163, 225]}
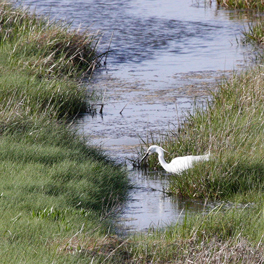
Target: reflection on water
{"type": "Point", "coordinates": [149, 204]}
{"type": "Point", "coordinates": [165, 55]}
{"type": "Point", "coordinates": [155, 39]}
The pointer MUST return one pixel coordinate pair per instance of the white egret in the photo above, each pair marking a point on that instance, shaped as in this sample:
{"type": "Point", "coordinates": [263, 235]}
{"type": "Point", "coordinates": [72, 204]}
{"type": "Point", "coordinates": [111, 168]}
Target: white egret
{"type": "Point", "coordinates": [177, 165]}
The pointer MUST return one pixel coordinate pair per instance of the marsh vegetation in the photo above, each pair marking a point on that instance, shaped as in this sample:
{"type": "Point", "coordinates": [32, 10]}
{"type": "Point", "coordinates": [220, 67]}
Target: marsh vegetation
{"type": "Point", "coordinates": [57, 192]}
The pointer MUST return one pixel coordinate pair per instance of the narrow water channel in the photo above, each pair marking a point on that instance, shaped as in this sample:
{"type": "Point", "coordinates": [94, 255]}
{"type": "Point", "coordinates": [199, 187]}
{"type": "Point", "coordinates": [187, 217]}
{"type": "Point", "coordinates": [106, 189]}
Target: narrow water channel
{"type": "Point", "coordinates": [165, 55]}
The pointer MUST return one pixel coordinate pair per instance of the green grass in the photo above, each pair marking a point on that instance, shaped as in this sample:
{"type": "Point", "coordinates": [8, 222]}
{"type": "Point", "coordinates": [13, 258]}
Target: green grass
{"type": "Point", "coordinates": [57, 192]}
{"type": "Point", "coordinates": [254, 35]}
{"type": "Point", "coordinates": [27, 94]}
{"type": "Point", "coordinates": [46, 47]}
{"type": "Point", "coordinates": [52, 184]}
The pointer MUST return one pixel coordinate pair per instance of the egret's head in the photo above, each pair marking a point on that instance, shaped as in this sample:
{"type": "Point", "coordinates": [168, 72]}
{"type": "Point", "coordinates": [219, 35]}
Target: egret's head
{"type": "Point", "coordinates": [152, 149]}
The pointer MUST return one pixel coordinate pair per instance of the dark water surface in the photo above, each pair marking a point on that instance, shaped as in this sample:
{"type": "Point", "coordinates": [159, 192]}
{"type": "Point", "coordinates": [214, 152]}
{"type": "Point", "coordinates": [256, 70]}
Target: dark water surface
{"type": "Point", "coordinates": [164, 56]}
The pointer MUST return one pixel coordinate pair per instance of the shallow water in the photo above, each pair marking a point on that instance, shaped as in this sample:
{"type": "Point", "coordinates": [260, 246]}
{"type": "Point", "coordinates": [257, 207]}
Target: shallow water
{"type": "Point", "coordinates": [165, 56]}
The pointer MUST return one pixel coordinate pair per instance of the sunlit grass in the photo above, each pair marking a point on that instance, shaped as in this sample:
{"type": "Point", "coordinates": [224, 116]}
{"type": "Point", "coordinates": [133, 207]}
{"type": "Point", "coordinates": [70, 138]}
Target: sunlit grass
{"type": "Point", "coordinates": [56, 98]}
{"type": "Point", "coordinates": [52, 186]}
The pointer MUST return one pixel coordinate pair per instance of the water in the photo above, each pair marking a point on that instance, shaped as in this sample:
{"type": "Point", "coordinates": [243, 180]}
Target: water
{"type": "Point", "coordinates": [164, 57]}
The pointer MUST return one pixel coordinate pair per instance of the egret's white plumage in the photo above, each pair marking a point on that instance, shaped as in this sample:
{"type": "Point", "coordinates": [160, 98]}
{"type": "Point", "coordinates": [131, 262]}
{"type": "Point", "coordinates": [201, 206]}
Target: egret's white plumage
{"type": "Point", "coordinates": [177, 165]}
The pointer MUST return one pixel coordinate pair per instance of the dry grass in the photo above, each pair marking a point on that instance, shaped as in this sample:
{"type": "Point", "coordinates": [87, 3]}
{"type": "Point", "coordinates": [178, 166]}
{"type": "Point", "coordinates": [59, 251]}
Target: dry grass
{"type": "Point", "coordinates": [110, 249]}
{"type": "Point", "coordinates": [242, 4]}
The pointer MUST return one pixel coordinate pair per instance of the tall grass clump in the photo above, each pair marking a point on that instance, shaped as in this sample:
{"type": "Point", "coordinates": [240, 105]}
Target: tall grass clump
{"type": "Point", "coordinates": [232, 130]}
{"type": "Point", "coordinates": [46, 47]}
{"type": "Point", "coordinates": [254, 34]}
{"type": "Point", "coordinates": [40, 62]}
{"type": "Point", "coordinates": [242, 4]}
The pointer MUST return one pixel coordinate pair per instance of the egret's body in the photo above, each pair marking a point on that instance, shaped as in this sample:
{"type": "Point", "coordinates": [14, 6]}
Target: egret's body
{"type": "Point", "coordinates": [177, 165]}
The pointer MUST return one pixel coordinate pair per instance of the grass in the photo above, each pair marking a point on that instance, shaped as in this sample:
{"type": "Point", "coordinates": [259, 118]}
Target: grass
{"type": "Point", "coordinates": [53, 185]}
{"type": "Point", "coordinates": [40, 62]}
{"type": "Point", "coordinates": [46, 47]}
{"type": "Point", "coordinates": [56, 189]}
{"type": "Point", "coordinates": [242, 4]}
{"type": "Point", "coordinates": [254, 34]}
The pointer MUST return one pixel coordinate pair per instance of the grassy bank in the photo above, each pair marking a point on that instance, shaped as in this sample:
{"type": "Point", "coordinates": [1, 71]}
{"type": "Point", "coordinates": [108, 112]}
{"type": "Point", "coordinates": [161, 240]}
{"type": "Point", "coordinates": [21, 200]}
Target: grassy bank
{"type": "Point", "coordinates": [40, 61]}
{"type": "Point", "coordinates": [56, 191]}
{"type": "Point", "coordinates": [52, 187]}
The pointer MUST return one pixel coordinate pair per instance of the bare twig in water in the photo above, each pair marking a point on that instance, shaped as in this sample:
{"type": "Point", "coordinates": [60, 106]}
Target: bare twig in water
{"type": "Point", "coordinates": [108, 48]}
{"type": "Point", "coordinates": [102, 105]}
{"type": "Point", "coordinates": [123, 109]}
{"type": "Point", "coordinates": [101, 109]}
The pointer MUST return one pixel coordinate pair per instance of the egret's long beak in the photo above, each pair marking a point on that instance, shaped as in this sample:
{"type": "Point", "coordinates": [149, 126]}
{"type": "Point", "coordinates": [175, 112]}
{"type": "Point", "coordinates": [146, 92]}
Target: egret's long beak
{"type": "Point", "coordinates": [145, 156]}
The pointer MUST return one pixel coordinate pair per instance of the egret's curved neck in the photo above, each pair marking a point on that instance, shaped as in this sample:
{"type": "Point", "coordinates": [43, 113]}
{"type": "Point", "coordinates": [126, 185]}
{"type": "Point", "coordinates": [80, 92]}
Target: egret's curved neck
{"type": "Point", "coordinates": [162, 161]}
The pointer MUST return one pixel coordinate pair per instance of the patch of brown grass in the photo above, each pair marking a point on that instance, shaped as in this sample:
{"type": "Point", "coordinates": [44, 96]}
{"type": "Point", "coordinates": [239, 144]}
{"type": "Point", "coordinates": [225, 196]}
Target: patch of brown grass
{"type": "Point", "coordinates": [104, 248]}
{"type": "Point", "coordinates": [223, 252]}
{"type": "Point", "coordinates": [111, 249]}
